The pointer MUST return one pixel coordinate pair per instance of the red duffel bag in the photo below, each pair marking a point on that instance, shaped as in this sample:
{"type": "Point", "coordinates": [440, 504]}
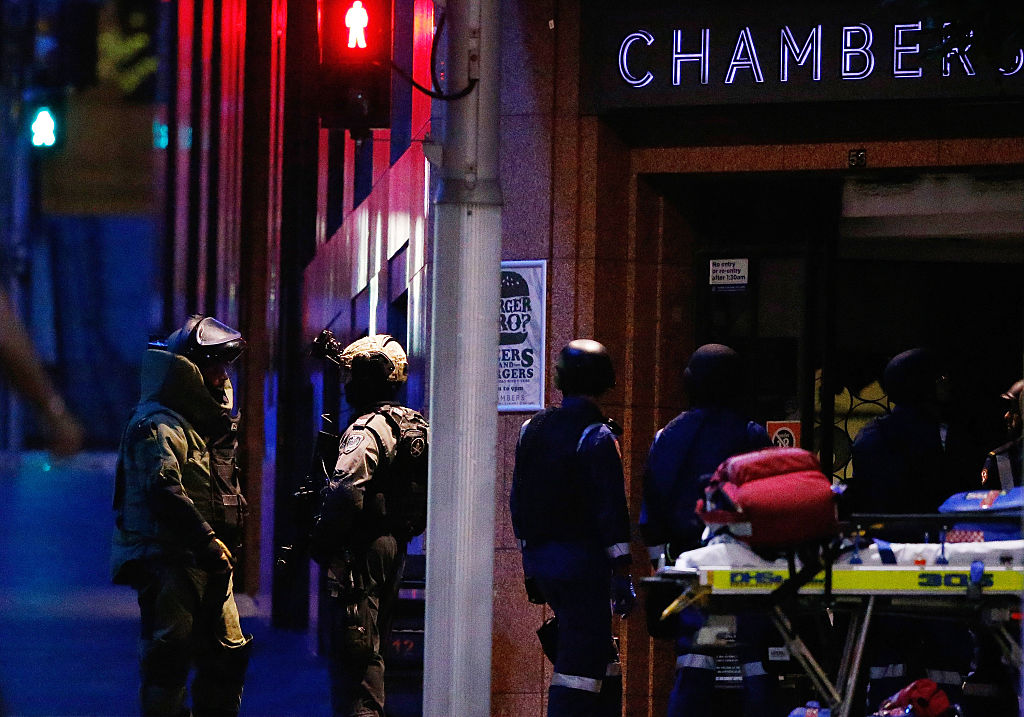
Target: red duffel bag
{"type": "Point", "coordinates": [773, 498]}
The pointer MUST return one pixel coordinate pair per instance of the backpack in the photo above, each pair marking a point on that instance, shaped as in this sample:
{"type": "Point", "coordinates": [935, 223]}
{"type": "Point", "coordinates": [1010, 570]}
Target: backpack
{"type": "Point", "coordinates": [771, 498]}
{"type": "Point", "coordinates": [921, 698]}
{"type": "Point", "coordinates": [406, 489]}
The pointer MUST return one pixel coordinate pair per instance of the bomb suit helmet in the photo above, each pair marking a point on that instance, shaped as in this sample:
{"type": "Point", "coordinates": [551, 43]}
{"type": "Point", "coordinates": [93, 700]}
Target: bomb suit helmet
{"type": "Point", "coordinates": [204, 340]}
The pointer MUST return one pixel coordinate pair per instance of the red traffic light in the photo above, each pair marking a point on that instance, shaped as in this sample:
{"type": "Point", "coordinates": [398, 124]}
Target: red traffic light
{"type": "Point", "coordinates": [355, 32]}
{"type": "Point", "coordinates": [355, 63]}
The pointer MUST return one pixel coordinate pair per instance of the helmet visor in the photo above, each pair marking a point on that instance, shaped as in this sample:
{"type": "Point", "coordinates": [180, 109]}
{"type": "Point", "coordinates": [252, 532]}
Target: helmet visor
{"type": "Point", "coordinates": [213, 341]}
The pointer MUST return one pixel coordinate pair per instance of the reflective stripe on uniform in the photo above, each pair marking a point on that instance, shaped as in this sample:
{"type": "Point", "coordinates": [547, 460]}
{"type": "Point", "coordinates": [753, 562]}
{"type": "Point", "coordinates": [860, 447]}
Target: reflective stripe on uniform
{"type": "Point", "coordinates": [881, 671]}
{"type": "Point", "coordinates": [753, 669]}
{"type": "Point", "coordinates": [617, 550]}
{"type": "Point", "coordinates": [614, 669]}
{"type": "Point", "coordinates": [575, 682]}
{"type": "Point", "coordinates": [945, 677]}
{"type": "Point", "coordinates": [695, 661]}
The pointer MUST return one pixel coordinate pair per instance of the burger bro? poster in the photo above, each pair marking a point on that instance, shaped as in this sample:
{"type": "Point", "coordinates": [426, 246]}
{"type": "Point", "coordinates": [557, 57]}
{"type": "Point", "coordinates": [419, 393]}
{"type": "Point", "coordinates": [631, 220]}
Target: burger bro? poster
{"type": "Point", "coordinates": [521, 346]}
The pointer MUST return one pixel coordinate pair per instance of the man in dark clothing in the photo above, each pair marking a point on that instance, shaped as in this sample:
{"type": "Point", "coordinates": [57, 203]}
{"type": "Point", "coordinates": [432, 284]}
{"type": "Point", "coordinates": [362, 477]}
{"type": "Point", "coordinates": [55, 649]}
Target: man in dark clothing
{"type": "Point", "coordinates": [684, 452]}
{"type": "Point", "coordinates": [1002, 469]}
{"type": "Point", "coordinates": [178, 508]}
{"type": "Point", "coordinates": [908, 462]}
{"type": "Point", "coordinates": [373, 504]}
{"type": "Point", "coordinates": [569, 512]}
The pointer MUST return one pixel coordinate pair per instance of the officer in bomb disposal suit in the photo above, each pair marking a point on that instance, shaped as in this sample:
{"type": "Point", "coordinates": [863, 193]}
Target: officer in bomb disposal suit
{"type": "Point", "coordinates": [179, 511]}
{"type": "Point", "coordinates": [569, 511]}
{"type": "Point", "coordinates": [373, 503]}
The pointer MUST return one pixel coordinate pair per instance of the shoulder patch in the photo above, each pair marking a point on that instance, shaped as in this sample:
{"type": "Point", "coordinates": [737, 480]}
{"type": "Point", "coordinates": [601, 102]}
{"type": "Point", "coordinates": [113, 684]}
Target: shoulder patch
{"type": "Point", "coordinates": [352, 442]}
{"type": "Point", "coordinates": [416, 446]}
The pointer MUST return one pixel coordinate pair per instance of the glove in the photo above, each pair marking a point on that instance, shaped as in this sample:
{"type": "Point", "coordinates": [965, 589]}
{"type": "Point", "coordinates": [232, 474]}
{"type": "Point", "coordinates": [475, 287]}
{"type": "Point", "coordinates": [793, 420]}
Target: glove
{"type": "Point", "coordinates": [533, 593]}
{"type": "Point", "coordinates": [623, 594]}
{"type": "Point", "coordinates": [214, 557]}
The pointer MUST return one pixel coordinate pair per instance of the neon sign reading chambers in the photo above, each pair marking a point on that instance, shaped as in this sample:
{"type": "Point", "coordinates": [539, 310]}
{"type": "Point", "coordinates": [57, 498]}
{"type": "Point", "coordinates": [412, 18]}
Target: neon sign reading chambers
{"type": "Point", "coordinates": [679, 57]}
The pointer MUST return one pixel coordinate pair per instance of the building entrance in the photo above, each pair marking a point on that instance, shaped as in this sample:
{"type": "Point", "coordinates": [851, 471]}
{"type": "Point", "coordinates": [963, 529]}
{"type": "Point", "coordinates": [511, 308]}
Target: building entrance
{"type": "Point", "coordinates": [818, 279]}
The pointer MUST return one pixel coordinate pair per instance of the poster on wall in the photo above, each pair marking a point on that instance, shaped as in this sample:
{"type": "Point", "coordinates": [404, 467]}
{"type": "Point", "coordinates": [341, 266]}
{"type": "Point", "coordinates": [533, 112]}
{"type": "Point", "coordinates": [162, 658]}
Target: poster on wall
{"type": "Point", "coordinates": [521, 345]}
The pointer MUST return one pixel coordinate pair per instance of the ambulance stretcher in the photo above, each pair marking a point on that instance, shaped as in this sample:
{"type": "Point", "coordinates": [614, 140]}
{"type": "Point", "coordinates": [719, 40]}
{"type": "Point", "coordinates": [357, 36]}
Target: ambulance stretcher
{"type": "Point", "coordinates": [979, 582]}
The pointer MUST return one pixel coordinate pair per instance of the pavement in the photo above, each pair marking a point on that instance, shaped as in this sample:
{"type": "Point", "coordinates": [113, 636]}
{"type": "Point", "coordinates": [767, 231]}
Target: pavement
{"type": "Point", "coordinates": [68, 637]}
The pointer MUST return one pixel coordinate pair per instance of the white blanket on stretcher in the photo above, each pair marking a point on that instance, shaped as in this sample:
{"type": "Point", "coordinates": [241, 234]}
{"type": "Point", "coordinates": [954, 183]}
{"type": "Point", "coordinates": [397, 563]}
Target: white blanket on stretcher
{"type": "Point", "coordinates": [732, 553]}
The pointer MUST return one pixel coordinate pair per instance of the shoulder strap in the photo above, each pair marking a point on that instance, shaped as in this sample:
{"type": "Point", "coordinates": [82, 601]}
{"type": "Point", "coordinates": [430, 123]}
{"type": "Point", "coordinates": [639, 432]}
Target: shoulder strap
{"type": "Point", "coordinates": [1005, 470]}
{"type": "Point", "coordinates": [587, 432]}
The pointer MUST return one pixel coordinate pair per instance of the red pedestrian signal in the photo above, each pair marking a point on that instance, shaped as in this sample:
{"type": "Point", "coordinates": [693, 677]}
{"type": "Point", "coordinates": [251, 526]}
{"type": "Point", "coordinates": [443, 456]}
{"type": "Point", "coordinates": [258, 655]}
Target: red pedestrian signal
{"type": "Point", "coordinates": [355, 64]}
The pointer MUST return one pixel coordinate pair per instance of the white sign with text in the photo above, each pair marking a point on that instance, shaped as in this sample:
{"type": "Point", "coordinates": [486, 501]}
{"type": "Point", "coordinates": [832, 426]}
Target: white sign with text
{"type": "Point", "coordinates": [521, 331]}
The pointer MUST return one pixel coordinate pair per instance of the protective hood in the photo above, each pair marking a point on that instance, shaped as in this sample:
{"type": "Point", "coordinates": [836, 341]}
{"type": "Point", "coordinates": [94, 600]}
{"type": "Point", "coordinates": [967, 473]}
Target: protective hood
{"type": "Point", "coordinates": [713, 377]}
{"type": "Point", "coordinates": [910, 377]}
{"type": "Point", "coordinates": [176, 382]}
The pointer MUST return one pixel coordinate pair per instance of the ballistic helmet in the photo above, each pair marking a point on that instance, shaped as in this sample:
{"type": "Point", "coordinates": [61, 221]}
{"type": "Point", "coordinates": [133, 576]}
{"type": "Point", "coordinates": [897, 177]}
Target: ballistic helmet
{"type": "Point", "coordinates": [714, 376]}
{"type": "Point", "coordinates": [377, 358]}
{"type": "Point", "coordinates": [584, 368]}
{"type": "Point", "coordinates": [203, 340]}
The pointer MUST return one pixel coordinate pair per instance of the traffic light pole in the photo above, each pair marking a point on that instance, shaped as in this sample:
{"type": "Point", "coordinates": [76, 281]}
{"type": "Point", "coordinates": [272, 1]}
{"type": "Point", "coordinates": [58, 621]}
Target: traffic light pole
{"type": "Point", "coordinates": [463, 375]}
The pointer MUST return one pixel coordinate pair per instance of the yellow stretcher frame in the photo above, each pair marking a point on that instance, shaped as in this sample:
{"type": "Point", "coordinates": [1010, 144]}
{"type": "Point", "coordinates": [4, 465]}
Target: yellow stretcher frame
{"type": "Point", "coordinates": [858, 587]}
{"type": "Point", "coordinates": [887, 580]}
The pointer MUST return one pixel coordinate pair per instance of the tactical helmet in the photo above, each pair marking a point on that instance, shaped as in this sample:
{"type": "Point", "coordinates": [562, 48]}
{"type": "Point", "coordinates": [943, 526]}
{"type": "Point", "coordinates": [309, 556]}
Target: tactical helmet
{"type": "Point", "coordinates": [379, 357]}
{"type": "Point", "coordinates": [204, 339]}
{"type": "Point", "coordinates": [714, 376]}
{"type": "Point", "coordinates": [584, 368]}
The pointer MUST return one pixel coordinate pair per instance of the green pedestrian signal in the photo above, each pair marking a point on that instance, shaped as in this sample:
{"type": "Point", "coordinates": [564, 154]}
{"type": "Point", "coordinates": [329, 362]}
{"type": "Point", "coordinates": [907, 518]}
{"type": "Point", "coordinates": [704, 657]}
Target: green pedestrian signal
{"type": "Point", "coordinates": [44, 128]}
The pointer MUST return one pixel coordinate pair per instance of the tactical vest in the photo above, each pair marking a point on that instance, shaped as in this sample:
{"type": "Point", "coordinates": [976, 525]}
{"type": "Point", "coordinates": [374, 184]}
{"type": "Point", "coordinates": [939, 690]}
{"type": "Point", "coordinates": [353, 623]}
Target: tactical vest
{"type": "Point", "coordinates": [548, 490]}
{"type": "Point", "coordinates": [393, 501]}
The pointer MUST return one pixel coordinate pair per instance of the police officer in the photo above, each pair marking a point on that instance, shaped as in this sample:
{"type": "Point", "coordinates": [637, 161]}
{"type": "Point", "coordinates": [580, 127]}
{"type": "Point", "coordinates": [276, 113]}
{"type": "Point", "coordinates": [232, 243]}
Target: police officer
{"type": "Point", "coordinates": [176, 515]}
{"type": "Point", "coordinates": [908, 462]}
{"type": "Point", "coordinates": [1002, 469]}
{"type": "Point", "coordinates": [685, 451]}
{"type": "Point", "coordinates": [569, 511]}
{"type": "Point", "coordinates": [372, 505]}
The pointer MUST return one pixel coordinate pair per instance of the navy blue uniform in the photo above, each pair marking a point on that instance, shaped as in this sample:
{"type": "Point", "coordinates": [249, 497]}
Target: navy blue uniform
{"type": "Point", "coordinates": [900, 465]}
{"type": "Point", "coordinates": [692, 446]}
{"type": "Point", "coordinates": [908, 462]}
{"type": "Point", "coordinates": [569, 511]}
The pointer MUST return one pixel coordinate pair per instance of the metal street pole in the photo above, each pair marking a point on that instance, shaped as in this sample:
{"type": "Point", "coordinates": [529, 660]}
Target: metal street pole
{"type": "Point", "coordinates": [463, 375]}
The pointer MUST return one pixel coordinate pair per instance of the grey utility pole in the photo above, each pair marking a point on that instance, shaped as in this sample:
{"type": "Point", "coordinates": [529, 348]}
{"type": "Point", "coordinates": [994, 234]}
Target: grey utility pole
{"type": "Point", "coordinates": [464, 375]}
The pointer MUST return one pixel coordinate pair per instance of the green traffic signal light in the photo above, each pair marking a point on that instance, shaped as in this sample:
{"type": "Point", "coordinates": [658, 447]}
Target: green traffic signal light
{"type": "Point", "coordinates": [44, 128]}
